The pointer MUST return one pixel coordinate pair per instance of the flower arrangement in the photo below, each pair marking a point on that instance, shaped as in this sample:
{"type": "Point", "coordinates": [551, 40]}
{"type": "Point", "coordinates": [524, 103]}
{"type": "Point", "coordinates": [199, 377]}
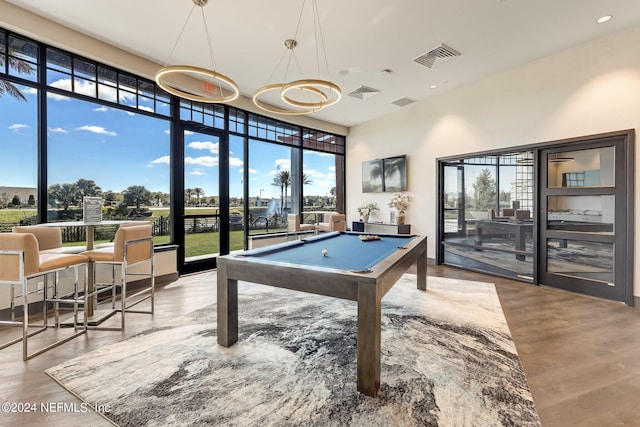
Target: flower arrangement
{"type": "Point", "coordinates": [400, 201]}
{"type": "Point", "coordinates": [366, 210]}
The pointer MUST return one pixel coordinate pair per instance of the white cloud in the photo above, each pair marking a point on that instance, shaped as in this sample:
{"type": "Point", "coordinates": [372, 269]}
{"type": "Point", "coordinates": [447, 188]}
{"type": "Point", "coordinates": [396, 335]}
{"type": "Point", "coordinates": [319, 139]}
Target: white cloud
{"type": "Point", "coordinates": [205, 145]}
{"type": "Point", "coordinates": [208, 161]}
{"type": "Point", "coordinates": [314, 173]}
{"type": "Point", "coordinates": [283, 164]}
{"type": "Point", "coordinates": [145, 108]}
{"type": "Point", "coordinates": [161, 160]}
{"type": "Point", "coordinates": [56, 130]}
{"type": "Point", "coordinates": [17, 127]}
{"type": "Point", "coordinates": [101, 109]}
{"type": "Point", "coordinates": [234, 161]}
{"type": "Point", "coordinates": [29, 91]}
{"type": "Point", "coordinates": [198, 172]}
{"type": "Point", "coordinates": [97, 129]}
{"type": "Point", "coordinates": [57, 97]}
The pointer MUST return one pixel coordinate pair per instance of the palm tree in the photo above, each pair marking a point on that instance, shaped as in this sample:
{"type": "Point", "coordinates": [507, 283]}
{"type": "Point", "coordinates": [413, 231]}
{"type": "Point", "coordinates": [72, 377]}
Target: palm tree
{"type": "Point", "coordinates": [20, 66]}
{"type": "Point", "coordinates": [188, 192]}
{"type": "Point", "coordinates": [198, 193]}
{"type": "Point", "coordinates": [282, 180]}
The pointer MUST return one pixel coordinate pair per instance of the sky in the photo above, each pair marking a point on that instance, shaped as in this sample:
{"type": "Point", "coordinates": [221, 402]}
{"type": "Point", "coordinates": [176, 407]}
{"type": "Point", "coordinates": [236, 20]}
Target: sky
{"type": "Point", "coordinates": [117, 149]}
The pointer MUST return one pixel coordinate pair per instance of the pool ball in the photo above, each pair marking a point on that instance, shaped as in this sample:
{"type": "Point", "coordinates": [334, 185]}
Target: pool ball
{"type": "Point", "coordinates": [325, 252]}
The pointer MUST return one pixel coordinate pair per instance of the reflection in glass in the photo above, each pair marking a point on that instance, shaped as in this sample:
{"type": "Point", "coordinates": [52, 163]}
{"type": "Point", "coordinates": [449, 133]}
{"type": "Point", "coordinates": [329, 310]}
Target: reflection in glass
{"type": "Point", "coordinates": [582, 259]}
{"type": "Point", "coordinates": [451, 221]}
{"type": "Point", "coordinates": [487, 214]}
{"type": "Point", "coordinates": [582, 168]}
{"type": "Point", "coordinates": [452, 187]}
{"type": "Point", "coordinates": [589, 214]}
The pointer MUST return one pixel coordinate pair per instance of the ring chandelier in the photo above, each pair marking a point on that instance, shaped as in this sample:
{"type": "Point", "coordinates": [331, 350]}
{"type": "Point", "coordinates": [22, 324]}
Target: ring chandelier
{"type": "Point", "coordinates": [319, 93]}
{"type": "Point", "coordinates": [186, 71]}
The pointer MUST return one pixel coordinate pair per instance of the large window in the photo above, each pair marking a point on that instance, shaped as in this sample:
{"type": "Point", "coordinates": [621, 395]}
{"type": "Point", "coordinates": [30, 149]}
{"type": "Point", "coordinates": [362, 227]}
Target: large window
{"type": "Point", "coordinates": [19, 154]}
{"type": "Point", "coordinates": [18, 131]}
{"type": "Point", "coordinates": [95, 150]}
{"type": "Point", "coordinates": [270, 184]}
{"type": "Point", "coordinates": [100, 131]}
{"type": "Point", "coordinates": [319, 180]}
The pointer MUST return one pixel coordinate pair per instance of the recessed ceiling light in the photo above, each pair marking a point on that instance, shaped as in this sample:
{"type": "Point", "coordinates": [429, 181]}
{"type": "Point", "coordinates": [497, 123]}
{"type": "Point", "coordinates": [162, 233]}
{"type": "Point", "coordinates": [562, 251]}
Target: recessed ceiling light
{"type": "Point", "coordinates": [433, 86]}
{"type": "Point", "coordinates": [604, 19]}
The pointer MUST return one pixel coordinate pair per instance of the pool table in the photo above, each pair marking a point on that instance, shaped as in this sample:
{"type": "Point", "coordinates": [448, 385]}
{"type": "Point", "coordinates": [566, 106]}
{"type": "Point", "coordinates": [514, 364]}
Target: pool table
{"type": "Point", "coordinates": [353, 269]}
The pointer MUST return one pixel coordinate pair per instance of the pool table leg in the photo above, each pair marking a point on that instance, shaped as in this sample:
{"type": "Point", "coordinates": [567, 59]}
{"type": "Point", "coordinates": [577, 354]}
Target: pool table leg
{"type": "Point", "coordinates": [422, 271]}
{"type": "Point", "coordinates": [227, 308]}
{"type": "Point", "coordinates": [369, 323]}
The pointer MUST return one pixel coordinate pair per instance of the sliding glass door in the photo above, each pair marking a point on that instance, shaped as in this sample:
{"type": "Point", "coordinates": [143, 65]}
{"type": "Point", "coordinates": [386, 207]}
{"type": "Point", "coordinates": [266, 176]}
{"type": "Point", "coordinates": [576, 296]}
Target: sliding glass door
{"type": "Point", "coordinates": [559, 214]}
{"type": "Point", "coordinates": [487, 215]}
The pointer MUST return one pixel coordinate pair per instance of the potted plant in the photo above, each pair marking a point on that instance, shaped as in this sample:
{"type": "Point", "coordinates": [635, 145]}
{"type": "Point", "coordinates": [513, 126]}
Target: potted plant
{"type": "Point", "coordinates": [366, 210]}
{"type": "Point", "coordinates": [400, 201]}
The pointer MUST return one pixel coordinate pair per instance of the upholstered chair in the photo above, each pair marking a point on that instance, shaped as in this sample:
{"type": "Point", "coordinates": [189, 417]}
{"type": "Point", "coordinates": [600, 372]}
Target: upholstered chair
{"type": "Point", "coordinates": [22, 265]}
{"type": "Point", "coordinates": [132, 247]}
{"type": "Point", "coordinates": [293, 224]}
{"type": "Point", "coordinates": [334, 222]}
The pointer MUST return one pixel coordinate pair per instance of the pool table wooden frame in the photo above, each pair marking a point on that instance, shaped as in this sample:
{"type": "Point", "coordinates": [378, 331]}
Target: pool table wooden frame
{"type": "Point", "coordinates": [365, 288]}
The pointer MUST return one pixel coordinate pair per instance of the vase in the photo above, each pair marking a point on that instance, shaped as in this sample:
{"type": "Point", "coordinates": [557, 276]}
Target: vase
{"type": "Point", "coordinates": [400, 218]}
{"type": "Point", "coordinates": [365, 218]}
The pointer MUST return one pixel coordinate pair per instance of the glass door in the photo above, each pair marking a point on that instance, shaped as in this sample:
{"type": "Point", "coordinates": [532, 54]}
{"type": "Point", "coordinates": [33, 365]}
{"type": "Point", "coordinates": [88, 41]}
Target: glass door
{"type": "Point", "coordinates": [487, 221]}
{"type": "Point", "coordinates": [201, 211]}
{"type": "Point", "coordinates": [583, 227]}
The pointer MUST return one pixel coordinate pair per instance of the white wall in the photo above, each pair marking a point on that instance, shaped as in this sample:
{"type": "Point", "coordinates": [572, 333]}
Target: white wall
{"type": "Point", "coordinates": [589, 89]}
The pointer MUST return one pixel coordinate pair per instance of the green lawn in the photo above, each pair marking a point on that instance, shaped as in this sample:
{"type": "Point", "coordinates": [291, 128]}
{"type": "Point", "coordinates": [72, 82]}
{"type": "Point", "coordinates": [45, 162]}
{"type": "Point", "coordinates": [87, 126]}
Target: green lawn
{"type": "Point", "coordinates": [196, 244]}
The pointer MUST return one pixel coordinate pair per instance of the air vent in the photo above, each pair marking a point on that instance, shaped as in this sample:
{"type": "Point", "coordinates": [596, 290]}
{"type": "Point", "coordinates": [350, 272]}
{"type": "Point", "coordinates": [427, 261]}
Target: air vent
{"type": "Point", "coordinates": [363, 92]}
{"type": "Point", "coordinates": [441, 51]}
{"type": "Point", "coordinates": [403, 102]}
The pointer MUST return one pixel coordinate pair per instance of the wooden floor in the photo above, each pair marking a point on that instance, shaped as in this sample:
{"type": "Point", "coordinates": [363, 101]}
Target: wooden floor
{"type": "Point", "coordinates": [581, 355]}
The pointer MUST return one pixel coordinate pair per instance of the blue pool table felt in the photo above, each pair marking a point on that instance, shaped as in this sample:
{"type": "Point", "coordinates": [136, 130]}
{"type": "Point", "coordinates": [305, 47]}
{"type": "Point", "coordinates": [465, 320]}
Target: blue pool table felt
{"type": "Point", "coordinates": [345, 251]}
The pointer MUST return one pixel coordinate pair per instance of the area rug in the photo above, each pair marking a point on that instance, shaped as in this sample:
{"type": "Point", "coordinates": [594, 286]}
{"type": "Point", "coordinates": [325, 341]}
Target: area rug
{"type": "Point", "coordinates": [447, 360]}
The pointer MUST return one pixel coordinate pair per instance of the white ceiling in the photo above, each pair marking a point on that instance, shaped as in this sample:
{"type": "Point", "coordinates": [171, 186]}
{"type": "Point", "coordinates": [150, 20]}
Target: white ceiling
{"type": "Point", "coordinates": [361, 38]}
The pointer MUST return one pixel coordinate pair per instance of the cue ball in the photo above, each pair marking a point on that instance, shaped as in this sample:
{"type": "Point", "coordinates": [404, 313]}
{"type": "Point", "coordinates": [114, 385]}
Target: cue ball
{"type": "Point", "coordinates": [325, 252]}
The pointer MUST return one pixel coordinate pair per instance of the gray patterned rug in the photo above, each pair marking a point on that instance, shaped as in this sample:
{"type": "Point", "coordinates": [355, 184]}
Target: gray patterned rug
{"type": "Point", "coordinates": [447, 360]}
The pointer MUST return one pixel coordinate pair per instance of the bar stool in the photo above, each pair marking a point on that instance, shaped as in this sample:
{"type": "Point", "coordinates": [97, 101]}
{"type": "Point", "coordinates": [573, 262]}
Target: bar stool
{"type": "Point", "coordinates": [21, 261]}
{"type": "Point", "coordinates": [132, 246]}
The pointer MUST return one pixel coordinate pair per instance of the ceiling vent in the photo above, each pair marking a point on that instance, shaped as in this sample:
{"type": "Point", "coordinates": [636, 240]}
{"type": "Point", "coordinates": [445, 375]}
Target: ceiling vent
{"type": "Point", "coordinates": [441, 51]}
{"type": "Point", "coordinates": [363, 92]}
{"type": "Point", "coordinates": [403, 102]}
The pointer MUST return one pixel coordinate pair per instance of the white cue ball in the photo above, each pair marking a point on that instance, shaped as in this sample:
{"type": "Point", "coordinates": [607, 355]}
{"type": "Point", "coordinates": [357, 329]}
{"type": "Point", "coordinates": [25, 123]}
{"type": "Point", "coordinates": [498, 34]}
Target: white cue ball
{"type": "Point", "coordinates": [325, 252]}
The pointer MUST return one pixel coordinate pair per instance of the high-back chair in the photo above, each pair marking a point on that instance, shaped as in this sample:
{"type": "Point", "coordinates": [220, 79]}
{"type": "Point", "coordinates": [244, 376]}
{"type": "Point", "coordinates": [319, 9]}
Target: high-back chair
{"type": "Point", "coordinates": [132, 246]}
{"type": "Point", "coordinates": [293, 224]}
{"type": "Point", "coordinates": [48, 237]}
{"type": "Point", "coordinates": [334, 222]}
{"type": "Point", "coordinates": [21, 261]}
